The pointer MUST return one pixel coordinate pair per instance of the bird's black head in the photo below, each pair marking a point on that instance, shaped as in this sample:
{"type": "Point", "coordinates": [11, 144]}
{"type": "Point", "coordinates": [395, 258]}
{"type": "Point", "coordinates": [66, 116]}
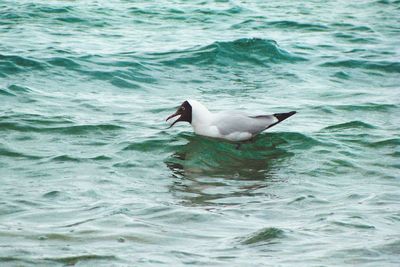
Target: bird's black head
{"type": "Point", "coordinates": [185, 112]}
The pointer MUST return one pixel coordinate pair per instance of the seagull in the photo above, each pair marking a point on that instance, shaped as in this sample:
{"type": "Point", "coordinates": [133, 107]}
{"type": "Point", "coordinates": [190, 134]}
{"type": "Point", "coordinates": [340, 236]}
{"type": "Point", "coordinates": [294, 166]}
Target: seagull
{"type": "Point", "coordinates": [232, 126]}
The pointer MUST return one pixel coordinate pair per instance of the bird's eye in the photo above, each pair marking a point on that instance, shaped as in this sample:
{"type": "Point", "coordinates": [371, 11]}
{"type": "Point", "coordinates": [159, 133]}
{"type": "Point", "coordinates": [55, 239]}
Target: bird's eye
{"type": "Point", "coordinates": [183, 108]}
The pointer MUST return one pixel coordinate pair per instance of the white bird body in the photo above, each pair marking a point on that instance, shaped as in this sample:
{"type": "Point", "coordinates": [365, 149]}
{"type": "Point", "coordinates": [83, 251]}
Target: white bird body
{"type": "Point", "coordinates": [229, 125]}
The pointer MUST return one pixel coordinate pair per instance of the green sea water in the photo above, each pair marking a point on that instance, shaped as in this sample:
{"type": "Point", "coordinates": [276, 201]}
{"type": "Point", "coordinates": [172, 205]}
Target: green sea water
{"type": "Point", "coordinates": [90, 176]}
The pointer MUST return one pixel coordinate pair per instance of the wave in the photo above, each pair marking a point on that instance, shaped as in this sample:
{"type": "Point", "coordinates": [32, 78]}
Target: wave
{"type": "Point", "coordinates": [290, 138]}
{"type": "Point", "coordinates": [58, 14]}
{"type": "Point", "coordinates": [384, 66]}
{"type": "Point", "coordinates": [124, 71]}
{"type": "Point", "coordinates": [281, 25]}
{"type": "Point", "coordinates": [132, 70]}
{"type": "Point", "coordinates": [63, 62]}
{"type": "Point", "coordinates": [68, 158]}
{"type": "Point", "coordinates": [52, 9]}
{"type": "Point", "coordinates": [251, 51]}
{"type": "Point", "coordinates": [227, 12]}
{"type": "Point", "coordinates": [388, 2]}
{"type": "Point", "coordinates": [287, 24]}
{"type": "Point", "coordinates": [36, 119]}
{"type": "Point", "coordinates": [35, 10]}
{"type": "Point", "coordinates": [352, 27]}
{"type": "Point", "coordinates": [370, 107]}
{"type": "Point", "coordinates": [15, 90]}
{"type": "Point", "coordinates": [355, 39]}
{"type": "Point", "coordinates": [349, 125]}
{"type": "Point", "coordinates": [389, 143]}
{"type": "Point", "coordinates": [20, 261]}
{"type": "Point", "coordinates": [52, 194]}
{"type": "Point", "coordinates": [11, 64]}
{"type": "Point", "coordinates": [174, 11]}
{"type": "Point", "coordinates": [7, 152]}
{"type": "Point", "coordinates": [266, 235]}
{"type": "Point", "coordinates": [353, 225]}
{"type": "Point", "coordinates": [85, 258]}
{"type": "Point", "coordinates": [73, 129]}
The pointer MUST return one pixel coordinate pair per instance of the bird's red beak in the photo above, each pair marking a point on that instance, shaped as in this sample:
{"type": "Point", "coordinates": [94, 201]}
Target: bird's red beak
{"type": "Point", "coordinates": [173, 115]}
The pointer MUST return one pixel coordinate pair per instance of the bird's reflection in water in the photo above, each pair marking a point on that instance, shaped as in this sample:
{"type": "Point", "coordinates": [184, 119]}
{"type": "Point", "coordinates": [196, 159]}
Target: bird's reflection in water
{"type": "Point", "coordinates": [209, 172]}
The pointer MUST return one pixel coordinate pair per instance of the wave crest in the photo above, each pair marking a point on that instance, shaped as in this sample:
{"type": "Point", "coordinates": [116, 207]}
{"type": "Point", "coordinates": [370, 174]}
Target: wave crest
{"type": "Point", "coordinates": [254, 51]}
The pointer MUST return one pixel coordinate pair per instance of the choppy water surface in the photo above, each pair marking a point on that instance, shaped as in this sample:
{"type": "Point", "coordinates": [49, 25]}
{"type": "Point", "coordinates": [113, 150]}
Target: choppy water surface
{"type": "Point", "coordinates": [90, 175]}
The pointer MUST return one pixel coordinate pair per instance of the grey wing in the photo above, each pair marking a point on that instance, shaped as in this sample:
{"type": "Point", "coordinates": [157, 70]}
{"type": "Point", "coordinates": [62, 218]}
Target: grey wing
{"type": "Point", "coordinates": [238, 122]}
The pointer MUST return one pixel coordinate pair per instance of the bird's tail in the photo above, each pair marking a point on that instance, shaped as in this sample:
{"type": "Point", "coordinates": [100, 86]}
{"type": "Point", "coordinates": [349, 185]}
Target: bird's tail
{"type": "Point", "coordinates": [284, 116]}
{"type": "Point", "coordinates": [281, 117]}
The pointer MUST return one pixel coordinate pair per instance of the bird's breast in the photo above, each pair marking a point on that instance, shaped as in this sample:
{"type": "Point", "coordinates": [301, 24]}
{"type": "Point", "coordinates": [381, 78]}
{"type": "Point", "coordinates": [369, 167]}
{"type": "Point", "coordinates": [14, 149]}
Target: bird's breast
{"type": "Point", "coordinates": [207, 130]}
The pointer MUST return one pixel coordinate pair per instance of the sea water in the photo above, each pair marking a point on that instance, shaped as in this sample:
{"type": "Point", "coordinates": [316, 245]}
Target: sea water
{"type": "Point", "coordinates": [90, 176]}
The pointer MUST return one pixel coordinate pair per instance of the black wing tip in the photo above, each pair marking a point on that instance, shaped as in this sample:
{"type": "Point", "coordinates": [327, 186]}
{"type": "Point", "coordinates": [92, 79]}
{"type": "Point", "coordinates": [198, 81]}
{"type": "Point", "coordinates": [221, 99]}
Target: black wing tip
{"type": "Point", "coordinates": [284, 116]}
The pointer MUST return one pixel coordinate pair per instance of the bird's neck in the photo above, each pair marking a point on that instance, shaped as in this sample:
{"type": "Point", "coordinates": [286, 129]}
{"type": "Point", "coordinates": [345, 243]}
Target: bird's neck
{"type": "Point", "coordinates": [201, 117]}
